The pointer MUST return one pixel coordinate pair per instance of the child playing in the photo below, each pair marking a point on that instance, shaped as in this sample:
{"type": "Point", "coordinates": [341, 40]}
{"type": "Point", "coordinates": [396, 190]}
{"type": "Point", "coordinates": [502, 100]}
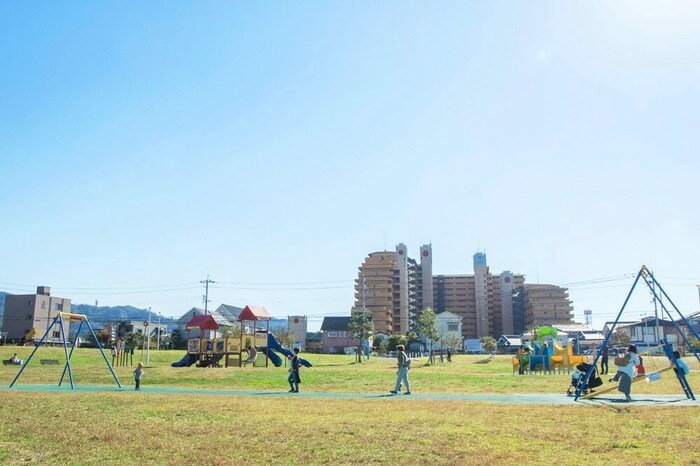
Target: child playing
{"type": "Point", "coordinates": [680, 364]}
{"type": "Point", "coordinates": [641, 372]}
{"type": "Point", "coordinates": [138, 373]}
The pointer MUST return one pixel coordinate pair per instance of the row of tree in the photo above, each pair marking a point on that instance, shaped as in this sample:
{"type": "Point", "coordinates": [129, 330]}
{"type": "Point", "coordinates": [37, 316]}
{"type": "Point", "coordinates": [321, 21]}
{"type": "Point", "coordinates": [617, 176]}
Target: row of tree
{"type": "Point", "coordinates": [361, 328]}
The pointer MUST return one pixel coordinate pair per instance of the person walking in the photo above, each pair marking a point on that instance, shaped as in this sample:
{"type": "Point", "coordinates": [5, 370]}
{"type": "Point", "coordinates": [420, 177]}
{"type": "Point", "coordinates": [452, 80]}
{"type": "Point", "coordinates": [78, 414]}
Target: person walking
{"type": "Point", "coordinates": [402, 374]}
{"type": "Point", "coordinates": [138, 373]}
{"type": "Point", "coordinates": [604, 360]}
{"type": "Point", "coordinates": [625, 373]}
{"type": "Point", "coordinates": [294, 378]}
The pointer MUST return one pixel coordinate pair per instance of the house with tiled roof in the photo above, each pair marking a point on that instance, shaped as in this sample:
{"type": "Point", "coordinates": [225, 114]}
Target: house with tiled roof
{"type": "Point", "coordinates": [181, 323]}
{"type": "Point", "coordinates": [336, 335]}
{"type": "Point", "coordinates": [230, 312]}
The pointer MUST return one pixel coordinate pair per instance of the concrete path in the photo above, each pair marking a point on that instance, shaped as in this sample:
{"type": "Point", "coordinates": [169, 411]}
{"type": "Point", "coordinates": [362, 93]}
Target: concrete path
{"type": "Point", "coordinates": [529, 398]}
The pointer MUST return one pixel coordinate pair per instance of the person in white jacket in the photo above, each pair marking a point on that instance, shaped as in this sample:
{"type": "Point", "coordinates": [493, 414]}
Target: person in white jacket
{"type": "Point", "coordinates": [626, 373]}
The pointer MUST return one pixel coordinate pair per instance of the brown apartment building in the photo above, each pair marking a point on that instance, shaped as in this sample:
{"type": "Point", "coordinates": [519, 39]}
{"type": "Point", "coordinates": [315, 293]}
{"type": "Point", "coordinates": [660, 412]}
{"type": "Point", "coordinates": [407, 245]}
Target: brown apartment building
{"type": "Point", "coordinates": [541, 304]}
{"type": "Point", "coordinates": [396, 288]}
{"type": "Point", "coordinates": [33, 311]}
{"type": "Point", "coordinates": [483, 300]}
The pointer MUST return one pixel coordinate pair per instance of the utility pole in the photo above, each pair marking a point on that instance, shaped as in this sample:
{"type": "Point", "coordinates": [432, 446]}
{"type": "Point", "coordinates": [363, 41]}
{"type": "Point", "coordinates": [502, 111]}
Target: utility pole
{"type": "Point", "coordinates": [148, 338]}
{"type": "Point", "coordinates": [206, 292]}
{"type": "Point", "coordinates": [158, 339]}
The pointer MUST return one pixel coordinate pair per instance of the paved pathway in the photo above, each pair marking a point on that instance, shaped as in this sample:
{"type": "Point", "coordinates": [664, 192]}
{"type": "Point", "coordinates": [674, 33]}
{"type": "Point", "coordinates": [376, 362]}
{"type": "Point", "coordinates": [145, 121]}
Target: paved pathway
{"type": "Point", "coordinates": [529, 398]}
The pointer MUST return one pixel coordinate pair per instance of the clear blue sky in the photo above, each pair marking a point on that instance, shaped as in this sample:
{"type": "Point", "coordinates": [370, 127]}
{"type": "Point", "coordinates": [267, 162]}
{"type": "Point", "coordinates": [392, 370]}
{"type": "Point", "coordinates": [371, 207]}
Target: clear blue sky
{"type": "Point", "coordinates": [144, 145]}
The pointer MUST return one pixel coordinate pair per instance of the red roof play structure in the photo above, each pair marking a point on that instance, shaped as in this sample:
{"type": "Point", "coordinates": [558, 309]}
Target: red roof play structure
{"type": "Point", "coordinates": [254, 313]}
{"type": "Point", "coordinates": [205, 322]}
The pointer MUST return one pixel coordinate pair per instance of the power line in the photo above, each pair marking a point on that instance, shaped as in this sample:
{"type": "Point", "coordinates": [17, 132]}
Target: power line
{"type": "Point", "coordinates": [251, 288]}
{"type": "Point", "coordinates": [600, 280]}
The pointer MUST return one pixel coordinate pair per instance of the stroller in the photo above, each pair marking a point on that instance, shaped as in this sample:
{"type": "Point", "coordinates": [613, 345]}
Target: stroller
{"type": "Point", "coordinates": [577, 379]}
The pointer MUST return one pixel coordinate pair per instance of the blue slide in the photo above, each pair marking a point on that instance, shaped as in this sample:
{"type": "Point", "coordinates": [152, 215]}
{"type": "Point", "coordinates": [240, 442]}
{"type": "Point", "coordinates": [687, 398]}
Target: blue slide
{"type": "Point", "coordinates": [273, 344]}
{"type": "Point", "coordinates": [276, 360]}
{"type": "Point", "coordinates": [187, 361]}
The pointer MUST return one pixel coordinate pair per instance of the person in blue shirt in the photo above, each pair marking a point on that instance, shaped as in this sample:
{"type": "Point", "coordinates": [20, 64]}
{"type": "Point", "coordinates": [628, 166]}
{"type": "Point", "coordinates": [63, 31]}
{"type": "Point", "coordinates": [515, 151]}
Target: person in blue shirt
{"type": "Point", "coordinates": [625, 373]}
{"type": "Point", "coordinates": [680, 364]}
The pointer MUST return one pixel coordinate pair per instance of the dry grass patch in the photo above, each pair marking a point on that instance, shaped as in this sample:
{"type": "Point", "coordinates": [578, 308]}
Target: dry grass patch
{"type": "Point", "coordinates": [130, 428]}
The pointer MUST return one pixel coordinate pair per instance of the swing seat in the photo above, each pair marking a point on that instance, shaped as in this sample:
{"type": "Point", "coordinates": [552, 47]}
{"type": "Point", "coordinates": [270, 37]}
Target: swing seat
{"type": "Point", "coordinates": [653, 377]}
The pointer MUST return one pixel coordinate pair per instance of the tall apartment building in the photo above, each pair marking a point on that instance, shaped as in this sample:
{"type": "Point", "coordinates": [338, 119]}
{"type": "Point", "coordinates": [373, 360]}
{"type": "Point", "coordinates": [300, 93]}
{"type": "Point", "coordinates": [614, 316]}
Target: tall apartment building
{"type": "Point", "coordinates": [33, 311]}
{"type": "Point", "coordinates": [540, 304]}
{"type": "Point", "coordinates": [483, 300]}
{"type": "Point", "coordinates": [394, 288]}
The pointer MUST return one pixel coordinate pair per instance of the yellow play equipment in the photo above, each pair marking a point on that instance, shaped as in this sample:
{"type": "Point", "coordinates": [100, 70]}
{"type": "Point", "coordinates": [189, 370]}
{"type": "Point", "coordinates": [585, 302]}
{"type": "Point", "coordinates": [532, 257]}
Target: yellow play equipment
{"type": "Point", "coordinates": [566, 357]}
{"type": "Point", "coordinates": [562, 359]}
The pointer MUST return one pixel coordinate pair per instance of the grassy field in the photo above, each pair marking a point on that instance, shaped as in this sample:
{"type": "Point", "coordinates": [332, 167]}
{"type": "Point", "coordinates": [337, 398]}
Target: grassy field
{"type": "Point", "coordinates": [158, 428]}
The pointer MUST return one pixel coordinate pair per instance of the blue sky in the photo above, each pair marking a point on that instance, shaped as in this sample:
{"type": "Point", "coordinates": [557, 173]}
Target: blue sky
{"type": "Point", "coordinates": [274, 145]}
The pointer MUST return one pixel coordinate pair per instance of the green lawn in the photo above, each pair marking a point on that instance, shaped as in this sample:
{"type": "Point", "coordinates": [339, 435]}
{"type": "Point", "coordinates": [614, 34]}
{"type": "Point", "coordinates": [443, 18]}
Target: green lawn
{"type": "Point", "coordinates": [129, 427]}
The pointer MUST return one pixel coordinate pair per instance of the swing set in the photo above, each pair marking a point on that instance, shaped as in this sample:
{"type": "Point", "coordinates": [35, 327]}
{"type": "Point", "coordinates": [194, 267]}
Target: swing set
{"type": "Point", "coordinates": [59, 320]}
{"type": "Point", "coordinates": [653, 284]}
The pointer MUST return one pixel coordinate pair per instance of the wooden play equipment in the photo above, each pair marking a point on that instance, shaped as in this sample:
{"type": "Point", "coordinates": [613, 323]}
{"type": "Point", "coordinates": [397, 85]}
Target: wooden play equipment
{"type": "Point", "coordinates": [208, 349]}
{"type": "Point", "coordinates": [255, 329]}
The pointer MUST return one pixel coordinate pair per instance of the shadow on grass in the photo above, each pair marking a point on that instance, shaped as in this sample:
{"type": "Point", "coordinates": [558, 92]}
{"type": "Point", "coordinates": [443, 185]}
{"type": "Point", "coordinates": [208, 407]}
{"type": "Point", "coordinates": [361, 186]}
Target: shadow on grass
{"type": "Point", "coordinates": [483, 361]}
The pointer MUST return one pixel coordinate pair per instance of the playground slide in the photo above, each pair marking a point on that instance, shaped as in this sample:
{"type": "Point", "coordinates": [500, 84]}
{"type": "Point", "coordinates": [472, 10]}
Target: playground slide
{"type": "Point", "coordinates": [273, 344]}
{"type": "Point", "coordinates": [274, 358]}
{"type": "Point", "coordinates": [186, 361]}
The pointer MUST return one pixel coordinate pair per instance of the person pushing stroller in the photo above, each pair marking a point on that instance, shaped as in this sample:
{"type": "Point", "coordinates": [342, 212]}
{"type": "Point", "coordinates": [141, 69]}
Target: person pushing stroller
{"type": "Point", "coordinates": [577, 379]}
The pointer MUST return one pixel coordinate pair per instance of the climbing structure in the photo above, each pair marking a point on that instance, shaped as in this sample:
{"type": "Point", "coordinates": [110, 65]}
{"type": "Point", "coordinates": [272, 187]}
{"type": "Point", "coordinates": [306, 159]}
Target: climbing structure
{"type": "Point", "coordinates": [658, 292]}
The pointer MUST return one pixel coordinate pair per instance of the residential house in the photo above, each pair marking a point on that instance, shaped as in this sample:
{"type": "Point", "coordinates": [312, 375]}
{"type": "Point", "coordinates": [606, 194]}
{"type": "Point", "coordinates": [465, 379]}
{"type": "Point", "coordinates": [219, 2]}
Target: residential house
{"type": "Point", "coordinates": [336, 335]}
{"type": "Point", "coordinates": [181, 323]}
{"type": "Point", "coordinates": [584, 336]}
{"type": "Point", "coordinates": [449, 326]}
{"type": "Point", "coordinates": [509, 343]}
{"type": "Point", "coordinates": [313, 342]}
{"type": "Point", "coordinates": [648, 332]}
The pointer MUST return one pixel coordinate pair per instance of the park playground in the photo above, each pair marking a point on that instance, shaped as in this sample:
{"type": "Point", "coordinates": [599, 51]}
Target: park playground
{"type": "Point", "coordinates": [474, 405]}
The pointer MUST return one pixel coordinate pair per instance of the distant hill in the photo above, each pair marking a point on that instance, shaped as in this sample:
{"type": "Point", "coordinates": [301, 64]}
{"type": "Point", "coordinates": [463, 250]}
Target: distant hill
{"type": "Point", "coordinates": [98, 315]}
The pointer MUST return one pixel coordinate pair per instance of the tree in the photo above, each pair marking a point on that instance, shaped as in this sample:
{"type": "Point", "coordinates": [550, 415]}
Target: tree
{"type": "Point", "coordinates": [103, 336]}
{"type": "Point", "coordinates": [395, 340]}
{"type": "Point", "coordinates": [134, 340]}
{"type": "Point", "coordinates": [427, 325]}
{"type": "Point", "coordinates": [452, 340]}
{"type": "Point", "coordinates": [411, 337]}
{"type": "Point", "coordinates": [619, 338]}
{"type": "Point", "coordinates": [377, 342]}
{"type": "Point", "coordinates": [285, 337]}
{"type": "Point", "coordinates": [489, 344]}
{"type": "Point", "coordinates": [178, 340]}
{"type": "Point", "coordinates": [361, 328]}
